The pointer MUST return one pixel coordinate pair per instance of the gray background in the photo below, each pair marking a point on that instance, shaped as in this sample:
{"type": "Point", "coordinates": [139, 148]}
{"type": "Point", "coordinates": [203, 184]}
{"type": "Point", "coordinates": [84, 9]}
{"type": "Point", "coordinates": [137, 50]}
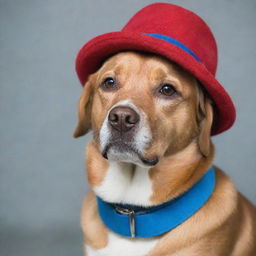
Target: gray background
{"type": "Point", "coordinates": [42, 180]}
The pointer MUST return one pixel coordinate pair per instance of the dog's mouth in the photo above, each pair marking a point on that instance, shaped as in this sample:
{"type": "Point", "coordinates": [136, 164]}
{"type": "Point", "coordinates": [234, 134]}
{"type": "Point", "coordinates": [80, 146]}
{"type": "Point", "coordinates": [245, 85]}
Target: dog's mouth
{"type": "Point", "coordinates": [123, 148]}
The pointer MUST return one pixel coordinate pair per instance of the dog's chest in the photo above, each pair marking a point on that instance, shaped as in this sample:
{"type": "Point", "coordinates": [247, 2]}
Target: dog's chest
{"type": "Point", "coordinates": [119, 245]}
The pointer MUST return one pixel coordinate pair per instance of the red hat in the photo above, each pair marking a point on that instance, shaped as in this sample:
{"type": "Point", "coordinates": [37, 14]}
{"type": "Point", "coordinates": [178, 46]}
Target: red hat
{"type": "Point", "coordinates": [175, 33]}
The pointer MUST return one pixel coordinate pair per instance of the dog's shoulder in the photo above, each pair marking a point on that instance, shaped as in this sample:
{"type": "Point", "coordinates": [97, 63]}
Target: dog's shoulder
{"type": "Point", "coordinates": [226, 210]}
{"type": "Point", "coordinates": [246, 227]}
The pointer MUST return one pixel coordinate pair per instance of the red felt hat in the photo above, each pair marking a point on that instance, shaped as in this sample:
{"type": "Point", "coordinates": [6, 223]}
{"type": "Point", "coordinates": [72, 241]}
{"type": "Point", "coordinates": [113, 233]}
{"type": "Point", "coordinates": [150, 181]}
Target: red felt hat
{"type": "Point", "coordinates": [175, 33]}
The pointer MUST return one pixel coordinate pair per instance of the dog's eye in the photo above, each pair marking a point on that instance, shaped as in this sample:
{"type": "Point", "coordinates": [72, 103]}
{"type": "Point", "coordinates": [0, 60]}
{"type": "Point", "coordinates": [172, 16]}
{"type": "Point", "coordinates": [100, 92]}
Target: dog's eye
{"type": "Point", "coordinates": [167, 90]}
{"type": "Point", "coordinates": [108, 84]}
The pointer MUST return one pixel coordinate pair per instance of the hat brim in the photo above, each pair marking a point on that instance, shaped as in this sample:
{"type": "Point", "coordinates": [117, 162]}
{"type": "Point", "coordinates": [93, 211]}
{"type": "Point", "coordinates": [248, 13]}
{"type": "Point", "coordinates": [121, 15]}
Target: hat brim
{"type": "Point", "coordinates": [92, 55]}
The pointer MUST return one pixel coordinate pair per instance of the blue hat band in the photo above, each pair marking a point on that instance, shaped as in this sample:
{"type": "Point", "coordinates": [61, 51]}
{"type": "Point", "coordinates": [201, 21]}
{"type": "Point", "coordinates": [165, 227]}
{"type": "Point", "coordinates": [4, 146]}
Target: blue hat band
{"type": "Point", "coordinates": [175, 42]}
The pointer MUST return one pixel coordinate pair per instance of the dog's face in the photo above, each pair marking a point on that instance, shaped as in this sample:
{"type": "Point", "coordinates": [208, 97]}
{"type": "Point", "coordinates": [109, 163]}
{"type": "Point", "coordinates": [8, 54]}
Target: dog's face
{"type": "Point", "coordinates": [142, 107]}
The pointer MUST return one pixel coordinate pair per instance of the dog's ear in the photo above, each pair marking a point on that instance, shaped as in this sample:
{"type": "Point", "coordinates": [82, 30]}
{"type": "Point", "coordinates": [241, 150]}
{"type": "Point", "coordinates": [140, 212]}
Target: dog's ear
{"type": "Point", "coordinates": [205, 118]}
{"type": "Point", "coordinates": [84, 109]}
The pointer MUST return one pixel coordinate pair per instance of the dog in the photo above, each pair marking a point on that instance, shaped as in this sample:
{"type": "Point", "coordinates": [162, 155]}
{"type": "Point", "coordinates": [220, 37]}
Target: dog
{"type": "Point", "coordinates": [151, 121]}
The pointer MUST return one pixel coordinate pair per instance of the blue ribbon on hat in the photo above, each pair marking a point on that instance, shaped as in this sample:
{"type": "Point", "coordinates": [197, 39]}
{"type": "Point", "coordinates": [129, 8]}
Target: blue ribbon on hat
{"type": "Point", "coordinates": [175, 42]}
{"type": "Point", "coordinates": [135, 221]}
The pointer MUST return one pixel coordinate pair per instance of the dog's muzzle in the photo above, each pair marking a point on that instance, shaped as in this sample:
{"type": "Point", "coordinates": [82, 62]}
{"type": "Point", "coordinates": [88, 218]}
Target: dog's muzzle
{"type": "Point", "coordinates": [126, 136]}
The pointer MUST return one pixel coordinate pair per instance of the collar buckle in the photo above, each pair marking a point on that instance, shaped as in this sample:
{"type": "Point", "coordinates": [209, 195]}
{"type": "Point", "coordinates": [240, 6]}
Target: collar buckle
{"type": "Point", "coordinates": [131, 214]}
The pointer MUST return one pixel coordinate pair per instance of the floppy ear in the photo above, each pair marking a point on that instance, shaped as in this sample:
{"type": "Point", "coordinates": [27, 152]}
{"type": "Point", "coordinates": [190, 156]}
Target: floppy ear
{"type": "Point", "coordinates": [205, 117]}
{"type": "Point", "coordinates": [84, 109]}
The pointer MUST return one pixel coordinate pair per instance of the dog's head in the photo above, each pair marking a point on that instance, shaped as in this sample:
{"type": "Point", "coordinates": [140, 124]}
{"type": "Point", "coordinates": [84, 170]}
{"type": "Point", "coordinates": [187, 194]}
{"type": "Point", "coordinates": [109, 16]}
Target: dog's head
{"type": "Point", "coordinates": [142, 107]}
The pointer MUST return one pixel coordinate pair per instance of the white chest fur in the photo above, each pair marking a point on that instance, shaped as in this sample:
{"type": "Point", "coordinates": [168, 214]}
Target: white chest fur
{"type": "Point", "coordinates": [123, 184]}
{"type": "Point", "coordinates": [119, 245]}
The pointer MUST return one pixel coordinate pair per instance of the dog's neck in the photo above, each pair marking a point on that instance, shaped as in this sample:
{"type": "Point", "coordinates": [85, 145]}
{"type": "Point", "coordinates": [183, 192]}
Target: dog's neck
{"type": "Point", "coordinates": [127, 183]}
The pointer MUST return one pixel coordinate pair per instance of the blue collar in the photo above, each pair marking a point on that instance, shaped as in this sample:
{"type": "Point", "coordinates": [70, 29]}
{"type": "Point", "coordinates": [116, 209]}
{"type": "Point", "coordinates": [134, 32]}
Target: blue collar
{"type": "Point", "coordinates": [134, 221]}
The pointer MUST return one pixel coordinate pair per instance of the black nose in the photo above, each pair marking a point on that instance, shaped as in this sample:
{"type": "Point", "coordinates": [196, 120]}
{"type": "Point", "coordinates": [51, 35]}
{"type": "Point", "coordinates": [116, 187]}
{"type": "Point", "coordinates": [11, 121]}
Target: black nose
{"type": "Point", "coordinates": [123, 119]}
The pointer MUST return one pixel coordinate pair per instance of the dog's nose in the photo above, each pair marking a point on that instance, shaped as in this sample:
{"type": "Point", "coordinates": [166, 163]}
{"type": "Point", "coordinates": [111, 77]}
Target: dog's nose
{"type": "Point", "coordinates": [123, 118]}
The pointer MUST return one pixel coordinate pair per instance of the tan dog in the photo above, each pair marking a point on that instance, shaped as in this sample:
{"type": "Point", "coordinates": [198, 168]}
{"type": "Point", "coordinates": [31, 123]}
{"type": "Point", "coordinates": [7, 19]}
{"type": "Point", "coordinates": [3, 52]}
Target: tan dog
{"type": "Point", "coordinates": [151, 126]}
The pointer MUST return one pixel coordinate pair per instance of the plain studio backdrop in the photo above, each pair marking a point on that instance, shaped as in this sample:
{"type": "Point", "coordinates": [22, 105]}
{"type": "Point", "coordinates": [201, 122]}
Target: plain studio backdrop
{"type": "Point", "coordinates": [42, 178]}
